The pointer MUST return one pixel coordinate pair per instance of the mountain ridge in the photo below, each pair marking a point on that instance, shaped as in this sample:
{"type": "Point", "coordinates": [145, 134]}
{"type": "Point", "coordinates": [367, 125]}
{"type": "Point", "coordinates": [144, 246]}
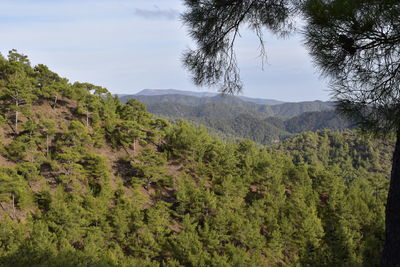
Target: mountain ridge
{"type": "Point", "coordinates": [233, 116]}
{"type": "Point", "coordinates": [154, 92]}
{"type": "Point", "coordinates": [287, 109]}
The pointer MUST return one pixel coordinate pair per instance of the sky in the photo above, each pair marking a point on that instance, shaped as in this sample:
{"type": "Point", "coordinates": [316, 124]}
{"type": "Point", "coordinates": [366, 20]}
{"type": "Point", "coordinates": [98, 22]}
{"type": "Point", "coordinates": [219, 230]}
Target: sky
{"type": "Point", "coordinates": [130, 45]}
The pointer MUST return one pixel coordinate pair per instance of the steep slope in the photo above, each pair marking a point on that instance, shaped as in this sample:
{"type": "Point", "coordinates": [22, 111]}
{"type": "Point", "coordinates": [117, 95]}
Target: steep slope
{"type": "Point", "coordinates": [249, 123]}
{"type": "Point", "coordinates": [208, 110]}
{"type": "Point", "coordinates": [88, 181]}
{"type": "Point", "coordinates": [296, 109]}
{"type": "Point", "coordinates": [224, 118]}
{"type": "Point", "coordinates": [312, 121]}
{"type": "Point", "coordinates": [233, 116]}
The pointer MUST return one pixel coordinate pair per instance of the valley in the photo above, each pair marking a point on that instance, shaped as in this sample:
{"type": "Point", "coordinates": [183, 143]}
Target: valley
{"type": "Point", "coordinates": [232, 117]}
{"type": "Point", "coordinates": [86, 180]}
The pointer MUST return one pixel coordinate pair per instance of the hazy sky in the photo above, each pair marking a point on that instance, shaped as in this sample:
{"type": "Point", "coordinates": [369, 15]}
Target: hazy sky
{"type": "Point", "coordinates": [129, 45]}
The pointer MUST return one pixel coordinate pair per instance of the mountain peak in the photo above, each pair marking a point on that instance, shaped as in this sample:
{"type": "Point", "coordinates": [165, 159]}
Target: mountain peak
{"type": "Point", "coordinates": [153, 92]}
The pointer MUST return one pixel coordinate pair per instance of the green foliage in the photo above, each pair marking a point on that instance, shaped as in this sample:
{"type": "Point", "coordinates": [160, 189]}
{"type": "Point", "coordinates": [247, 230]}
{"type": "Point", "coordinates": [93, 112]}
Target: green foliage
{"type": "Point", "coordinates": [181, 197]}
{"type": "Point", "coordinates": [232, 117]}
{"type": "Point", "coordinates": [214, 26]}
{"type": "Point", "coordinates": [187, 141]}
{"type": "Point", "coordinates": [13, 189]}
{"type": "Point", "coordinates": [150, 166]}
{"type": "Point", "coordinates": [364, 68]}
{"type": "Point", "coordinates": [126, 133]}
{"type": "Point", "coordinates": [30, 171]}
{"type": "Point", "coordinates": [20, 148]}
{"type": "Point", "coordinates": [135, 111]}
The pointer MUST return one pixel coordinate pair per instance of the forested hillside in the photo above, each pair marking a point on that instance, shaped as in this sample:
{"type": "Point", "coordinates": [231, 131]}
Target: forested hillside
{"type": "Point", "coordinates": [313, 121]}
{"type": "Point", "coordinates": [234, 118]}
{"type": "Point", "coordinates": [88, 181]}
{"type": "Point", "coordinates": [280, 110]}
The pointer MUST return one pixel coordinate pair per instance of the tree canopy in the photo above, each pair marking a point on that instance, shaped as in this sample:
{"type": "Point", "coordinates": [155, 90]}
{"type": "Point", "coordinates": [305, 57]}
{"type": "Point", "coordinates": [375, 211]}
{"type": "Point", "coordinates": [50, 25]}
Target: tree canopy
{"type": "Point", "coordinates": [215, 24]}
{"type": "Point", "coordinates": [356, 44]}
{"type": "Point", "coordinates": [94, 182]}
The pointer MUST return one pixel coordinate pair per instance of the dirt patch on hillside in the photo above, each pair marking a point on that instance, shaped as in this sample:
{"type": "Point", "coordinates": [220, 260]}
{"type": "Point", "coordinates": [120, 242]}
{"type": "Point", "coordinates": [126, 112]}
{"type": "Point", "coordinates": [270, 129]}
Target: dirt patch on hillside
{"type": "Point", "coordinates": [6, 163]}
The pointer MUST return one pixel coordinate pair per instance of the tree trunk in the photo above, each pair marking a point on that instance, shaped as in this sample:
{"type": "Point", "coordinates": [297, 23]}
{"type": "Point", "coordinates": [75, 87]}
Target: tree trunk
{"type": "Point", "coordinates": [16, 112]}
{"type": "Point", "coordinates": [13, 204]}
{"type": "Point", "coordinates": [55, 101]}
{"type": "Point", "coordinates": [16, 119]}
{"type": "Point", "coordinates": [148, 184]}
{"type": "Point", "coordinates": [47, 145]}
{"type": "Point", "coordinates": [391, 251]}
{"type": "Point", "coordinates": [126, 151]}
{"type": "Point", "coordinates": [87, 119]}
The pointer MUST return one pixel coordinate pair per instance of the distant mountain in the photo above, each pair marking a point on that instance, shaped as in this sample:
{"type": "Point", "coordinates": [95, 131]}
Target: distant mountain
{"type": "Point", "coordinates": [246, 123]}
{"type": "Point", "coordinates": [235, 116]}
{"type": "Point", "coordinates": [313, 121]}
{"type": "Point", "coordinates": [296, 109]}
{"type": "Point", "coordinates": [207, 110]}
{"type": "Point", "coordinates": [153, 92]}
{"type": "Point", "coordinates": [198, 101]}
{"type": "Point", "coordinates": [261, 101]}
{"type": "Point", "coordinates": [224, 118]}
{"type": "Point", "coordinates": [283, 110]}
{"type": "Point", "coordinates": [161, 92]}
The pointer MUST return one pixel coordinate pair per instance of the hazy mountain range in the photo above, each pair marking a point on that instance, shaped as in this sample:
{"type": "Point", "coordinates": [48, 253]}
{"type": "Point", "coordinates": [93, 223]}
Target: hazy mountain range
{"type": "Point", "coordinates": [262, 120]}
{"type": "Point", "coordinates": [157, 92]}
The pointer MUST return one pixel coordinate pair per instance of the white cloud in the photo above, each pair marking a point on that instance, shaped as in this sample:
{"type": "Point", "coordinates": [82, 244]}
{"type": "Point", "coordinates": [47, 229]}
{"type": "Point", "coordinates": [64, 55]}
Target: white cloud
{"type": "Point", "coordinates": [157, 13]}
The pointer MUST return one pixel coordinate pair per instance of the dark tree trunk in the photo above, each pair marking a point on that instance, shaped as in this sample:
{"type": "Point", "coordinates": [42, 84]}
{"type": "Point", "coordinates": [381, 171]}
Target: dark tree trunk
{"type": "Point", "coordinates": [391, 251]}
